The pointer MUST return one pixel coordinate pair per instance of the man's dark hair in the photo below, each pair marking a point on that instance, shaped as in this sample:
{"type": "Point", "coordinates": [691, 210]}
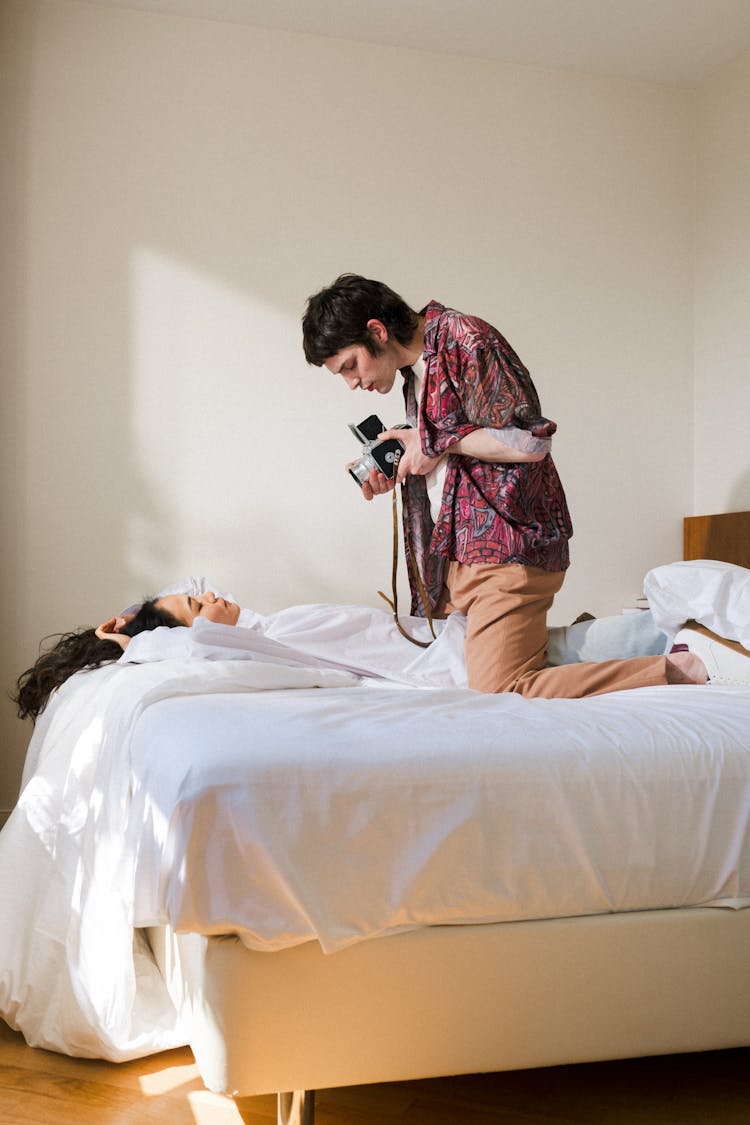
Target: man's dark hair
{"type": "Point", "coordinates": [337, 317]}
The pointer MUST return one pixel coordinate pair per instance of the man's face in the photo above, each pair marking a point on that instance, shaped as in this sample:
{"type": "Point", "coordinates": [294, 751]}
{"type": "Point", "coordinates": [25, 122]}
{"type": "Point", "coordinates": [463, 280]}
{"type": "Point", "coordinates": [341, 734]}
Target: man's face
{"type": "Point", "coordinates": [362, 371]}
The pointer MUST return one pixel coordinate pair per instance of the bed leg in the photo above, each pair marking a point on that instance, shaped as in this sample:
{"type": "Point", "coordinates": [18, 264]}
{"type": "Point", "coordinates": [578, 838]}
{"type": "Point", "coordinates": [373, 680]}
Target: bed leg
{"type": "Point", "coordinates": [296, 1107]}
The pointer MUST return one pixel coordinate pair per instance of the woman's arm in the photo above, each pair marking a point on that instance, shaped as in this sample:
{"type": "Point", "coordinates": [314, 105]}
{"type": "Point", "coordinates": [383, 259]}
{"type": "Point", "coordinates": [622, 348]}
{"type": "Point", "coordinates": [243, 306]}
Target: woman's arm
{"type": "Point", "coordinates": [110, 630]}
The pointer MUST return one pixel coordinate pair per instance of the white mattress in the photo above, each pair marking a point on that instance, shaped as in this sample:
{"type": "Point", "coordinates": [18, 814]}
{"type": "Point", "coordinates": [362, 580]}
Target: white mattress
{"type": "Point", "coordinates": [337, 816]}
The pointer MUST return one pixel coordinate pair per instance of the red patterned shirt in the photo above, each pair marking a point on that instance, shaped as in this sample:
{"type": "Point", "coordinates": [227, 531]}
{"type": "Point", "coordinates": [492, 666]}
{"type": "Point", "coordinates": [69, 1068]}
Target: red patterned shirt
{"type": "Point", "coordinates": [491, 512]}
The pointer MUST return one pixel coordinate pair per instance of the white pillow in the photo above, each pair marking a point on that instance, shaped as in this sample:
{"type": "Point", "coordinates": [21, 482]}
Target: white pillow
{"type": "Point", "coordinates": [715, 594]}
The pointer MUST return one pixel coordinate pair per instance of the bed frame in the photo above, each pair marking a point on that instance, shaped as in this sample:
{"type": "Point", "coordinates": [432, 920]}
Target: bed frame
{"type": "Point", "coordinates": [466, 999]}
{"type": "Point", "coordinates": [725, 537]}
{"type": "Point", "coordinates": [459, 1000]}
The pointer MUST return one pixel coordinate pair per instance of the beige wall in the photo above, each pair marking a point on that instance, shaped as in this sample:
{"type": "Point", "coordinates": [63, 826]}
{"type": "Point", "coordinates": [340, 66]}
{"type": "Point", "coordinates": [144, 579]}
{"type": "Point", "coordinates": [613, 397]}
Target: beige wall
{"type": "Point", "coordinates": [722, 293]}
{"type": "Point", "coordinates": [178, 187]}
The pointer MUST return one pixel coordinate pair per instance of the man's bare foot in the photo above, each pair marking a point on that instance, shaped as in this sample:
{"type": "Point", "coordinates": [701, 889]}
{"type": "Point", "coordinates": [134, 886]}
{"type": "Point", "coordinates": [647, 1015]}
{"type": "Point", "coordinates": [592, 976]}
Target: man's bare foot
{"type": "Point", "coordinates": [686, 668]}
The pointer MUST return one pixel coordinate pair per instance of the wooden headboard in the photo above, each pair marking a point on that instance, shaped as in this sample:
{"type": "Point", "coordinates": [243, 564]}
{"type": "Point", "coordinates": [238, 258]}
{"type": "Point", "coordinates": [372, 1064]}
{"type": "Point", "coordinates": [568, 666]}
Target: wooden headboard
{"type": "Point", "coordinates": [725, 537]}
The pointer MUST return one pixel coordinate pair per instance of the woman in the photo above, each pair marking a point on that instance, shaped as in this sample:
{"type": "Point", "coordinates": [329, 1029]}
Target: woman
{"type": "Point", "coordinates": [89, 648]}
{"type": "Point", "coordinates": [357, 638]}
{"type": "Point", "coordinates": [361, 638]}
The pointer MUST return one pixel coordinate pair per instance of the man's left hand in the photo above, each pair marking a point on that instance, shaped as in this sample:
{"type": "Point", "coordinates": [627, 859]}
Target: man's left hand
{"type": "Point", "coordinates": [413, 461]}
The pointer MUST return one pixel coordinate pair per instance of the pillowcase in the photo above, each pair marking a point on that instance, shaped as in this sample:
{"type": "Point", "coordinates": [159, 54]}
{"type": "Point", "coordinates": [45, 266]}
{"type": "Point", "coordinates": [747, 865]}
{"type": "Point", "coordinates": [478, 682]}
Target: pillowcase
{"type": "Point", "coordinates": [715, 594]}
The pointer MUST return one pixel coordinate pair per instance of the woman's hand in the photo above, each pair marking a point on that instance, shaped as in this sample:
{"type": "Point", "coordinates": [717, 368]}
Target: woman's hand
{"type": "Point", "coordinates": [110, 631]}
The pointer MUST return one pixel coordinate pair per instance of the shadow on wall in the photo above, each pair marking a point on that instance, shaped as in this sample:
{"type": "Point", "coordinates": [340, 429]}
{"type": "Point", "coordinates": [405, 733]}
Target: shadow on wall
{"type": "Point", "coordinates": [15, 177]}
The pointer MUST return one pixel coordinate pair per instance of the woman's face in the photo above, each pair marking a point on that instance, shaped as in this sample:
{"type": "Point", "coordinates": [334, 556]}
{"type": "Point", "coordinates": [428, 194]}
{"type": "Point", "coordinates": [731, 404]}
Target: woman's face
{"type": "Point", "coordinates": [186, 608]}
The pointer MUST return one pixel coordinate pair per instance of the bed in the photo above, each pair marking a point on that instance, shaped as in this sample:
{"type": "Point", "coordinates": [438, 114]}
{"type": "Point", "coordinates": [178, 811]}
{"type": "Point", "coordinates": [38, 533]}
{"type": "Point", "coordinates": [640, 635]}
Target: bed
{"type": "Point", "coordinates": [619, 933]}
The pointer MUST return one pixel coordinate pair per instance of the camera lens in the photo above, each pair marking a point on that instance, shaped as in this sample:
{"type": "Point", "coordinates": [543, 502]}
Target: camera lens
{"type": "Point", "coordinates": [360, 470]}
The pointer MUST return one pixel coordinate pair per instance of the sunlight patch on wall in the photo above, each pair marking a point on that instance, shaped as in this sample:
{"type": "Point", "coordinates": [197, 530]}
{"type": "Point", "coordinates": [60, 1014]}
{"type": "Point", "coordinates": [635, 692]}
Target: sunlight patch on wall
{"type": "Point", "coordinates": [238, 448]}
{"type": "Point", "coordinates": [202, 352]}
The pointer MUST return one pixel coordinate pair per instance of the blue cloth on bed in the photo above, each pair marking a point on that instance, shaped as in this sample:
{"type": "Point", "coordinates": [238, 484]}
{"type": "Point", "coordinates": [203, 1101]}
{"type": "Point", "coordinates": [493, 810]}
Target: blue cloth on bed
{"type": "Point", "coordinates": [606, 638]}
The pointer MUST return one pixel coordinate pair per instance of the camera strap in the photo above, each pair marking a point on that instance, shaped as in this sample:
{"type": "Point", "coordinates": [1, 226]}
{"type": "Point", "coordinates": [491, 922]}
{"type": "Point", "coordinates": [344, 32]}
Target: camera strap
{"type": "Point", "coordinates": [393, 601]}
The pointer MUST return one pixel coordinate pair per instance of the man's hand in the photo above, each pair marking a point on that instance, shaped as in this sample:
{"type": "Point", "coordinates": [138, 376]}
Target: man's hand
{"type": "Point", "coordinates": [376, 484]}
{"type": "Point", "coordinates": [413, 461]}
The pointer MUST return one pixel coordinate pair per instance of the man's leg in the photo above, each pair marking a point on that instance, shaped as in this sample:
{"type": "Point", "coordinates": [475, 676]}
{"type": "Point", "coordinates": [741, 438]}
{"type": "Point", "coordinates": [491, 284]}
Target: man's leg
{"type": "Point", "coordinates": [506, 609]}
{"type": "Point", "coordinates": [506, 637]}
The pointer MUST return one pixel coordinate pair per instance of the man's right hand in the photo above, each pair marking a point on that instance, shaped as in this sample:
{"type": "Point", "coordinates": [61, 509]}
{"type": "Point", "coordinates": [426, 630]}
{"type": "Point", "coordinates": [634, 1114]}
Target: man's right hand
{"type": "Point", "coordinates": [376, 484]}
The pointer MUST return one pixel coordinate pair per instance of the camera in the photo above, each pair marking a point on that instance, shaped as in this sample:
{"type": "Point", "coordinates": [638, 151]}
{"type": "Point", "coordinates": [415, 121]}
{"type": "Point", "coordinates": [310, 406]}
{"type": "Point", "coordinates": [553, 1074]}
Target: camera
{"type": "Point", "coordinates": [376, 454]}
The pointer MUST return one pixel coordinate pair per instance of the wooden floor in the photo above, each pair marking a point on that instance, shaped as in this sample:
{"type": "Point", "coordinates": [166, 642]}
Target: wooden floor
{"type": "Point", "coordinates": [40, 1088]}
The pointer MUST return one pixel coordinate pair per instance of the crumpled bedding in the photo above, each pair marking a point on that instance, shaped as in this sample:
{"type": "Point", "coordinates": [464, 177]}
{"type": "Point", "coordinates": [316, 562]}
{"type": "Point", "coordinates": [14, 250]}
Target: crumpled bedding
{"type": "Point", "coordinates": [366, 641]}
{"type": "Point", "coordinates": [715, 594]}
{"type": "Point", "coordinates": [74, 977]}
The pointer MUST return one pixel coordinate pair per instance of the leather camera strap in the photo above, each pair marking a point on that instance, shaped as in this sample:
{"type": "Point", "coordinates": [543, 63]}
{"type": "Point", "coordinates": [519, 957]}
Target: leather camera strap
{"type": "Point", "coordinates": [393, 601]}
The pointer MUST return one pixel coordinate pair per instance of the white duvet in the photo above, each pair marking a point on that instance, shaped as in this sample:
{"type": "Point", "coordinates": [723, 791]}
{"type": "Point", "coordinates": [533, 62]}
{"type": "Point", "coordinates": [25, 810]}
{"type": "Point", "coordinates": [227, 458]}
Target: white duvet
{"type": "Point", "coordinates": [74, 976]}
{"type": "Point", "coordinates": [167, 792]}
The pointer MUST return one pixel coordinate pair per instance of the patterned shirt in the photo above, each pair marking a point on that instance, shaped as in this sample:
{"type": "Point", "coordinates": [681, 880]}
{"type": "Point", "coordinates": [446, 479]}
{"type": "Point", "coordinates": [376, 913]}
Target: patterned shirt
{"type": "Point", "coordinates": [492, 512]}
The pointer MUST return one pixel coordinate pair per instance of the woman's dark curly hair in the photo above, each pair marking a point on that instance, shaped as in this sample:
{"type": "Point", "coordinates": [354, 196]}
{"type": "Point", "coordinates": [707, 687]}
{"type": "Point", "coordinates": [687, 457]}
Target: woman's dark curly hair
{"type": "Point", "coordinates": [337, 317]}
{"type": "Point", "coordinates": [75, 651]}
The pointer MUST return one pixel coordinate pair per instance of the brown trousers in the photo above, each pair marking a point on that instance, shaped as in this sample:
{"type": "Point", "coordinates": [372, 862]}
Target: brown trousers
{"type": "Point", "coordinates": [506, 636]}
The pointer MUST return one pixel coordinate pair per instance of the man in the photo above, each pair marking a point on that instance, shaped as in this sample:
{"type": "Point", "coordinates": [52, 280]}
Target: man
{"type": "Point", "coordinates": [487, 515]}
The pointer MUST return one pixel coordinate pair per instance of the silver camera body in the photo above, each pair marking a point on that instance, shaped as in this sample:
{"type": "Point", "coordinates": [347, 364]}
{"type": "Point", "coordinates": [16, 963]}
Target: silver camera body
{"type": "Point", "coordinates": [380, 455]}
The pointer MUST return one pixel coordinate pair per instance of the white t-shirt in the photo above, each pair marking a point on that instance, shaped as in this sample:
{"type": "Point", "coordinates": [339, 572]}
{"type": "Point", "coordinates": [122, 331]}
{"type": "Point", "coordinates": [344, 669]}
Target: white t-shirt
{"type": "Point", "coordinates": [435, 480]}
